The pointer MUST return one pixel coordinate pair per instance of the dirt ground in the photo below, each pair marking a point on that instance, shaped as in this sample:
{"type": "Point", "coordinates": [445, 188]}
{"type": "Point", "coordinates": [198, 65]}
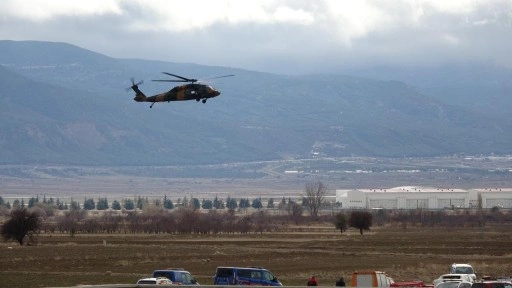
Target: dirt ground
{"type": "Point", "coordinates": [412, 254]}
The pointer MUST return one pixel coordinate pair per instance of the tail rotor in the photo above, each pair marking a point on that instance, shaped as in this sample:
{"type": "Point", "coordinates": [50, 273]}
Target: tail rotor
{"type": "Point", "coordinates": [134, 85]}
{"type": "Point", "coordinates": [139, 96]}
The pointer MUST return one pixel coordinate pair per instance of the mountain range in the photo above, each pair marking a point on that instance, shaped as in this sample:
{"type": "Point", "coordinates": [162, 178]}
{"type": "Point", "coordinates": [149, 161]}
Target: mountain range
{"type": "Point", "coordinates": [61, 104]}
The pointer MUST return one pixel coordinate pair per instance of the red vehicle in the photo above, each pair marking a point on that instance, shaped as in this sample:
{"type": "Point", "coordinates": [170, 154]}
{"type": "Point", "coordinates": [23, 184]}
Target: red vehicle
{"type": "Point", "coordinates": [411, 284]}
{"type": "Point", "coordinates": [492, 284]}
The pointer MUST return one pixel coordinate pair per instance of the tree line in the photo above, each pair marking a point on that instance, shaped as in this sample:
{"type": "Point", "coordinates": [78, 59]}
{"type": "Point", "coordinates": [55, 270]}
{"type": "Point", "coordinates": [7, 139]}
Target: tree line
{"type": "Point", "coordinates": [24, 224]}
{"type": "Point", "coordinates": [21, 222]}
{"type": "Point", "coordinates": [28, 222]}
{"type": "Point", "coordinates": [313, 200]}
{"type": "Point", "coordinates": [102, 203]}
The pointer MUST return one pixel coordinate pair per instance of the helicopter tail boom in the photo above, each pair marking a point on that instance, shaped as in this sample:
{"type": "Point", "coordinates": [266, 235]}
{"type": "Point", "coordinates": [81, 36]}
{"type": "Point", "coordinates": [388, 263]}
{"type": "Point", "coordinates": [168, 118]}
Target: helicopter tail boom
{"type": "Point", "coordinates": [139, 96]}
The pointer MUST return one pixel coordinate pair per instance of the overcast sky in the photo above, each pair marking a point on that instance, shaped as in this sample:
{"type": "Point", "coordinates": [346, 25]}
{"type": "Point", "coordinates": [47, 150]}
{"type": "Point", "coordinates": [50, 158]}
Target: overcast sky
{"type": "Point", "coordinates": [298, 36]}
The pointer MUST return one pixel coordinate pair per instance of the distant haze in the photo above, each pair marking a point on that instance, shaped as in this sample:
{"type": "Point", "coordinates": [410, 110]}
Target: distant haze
{"type": "Point", "coordinates": [274, 36]}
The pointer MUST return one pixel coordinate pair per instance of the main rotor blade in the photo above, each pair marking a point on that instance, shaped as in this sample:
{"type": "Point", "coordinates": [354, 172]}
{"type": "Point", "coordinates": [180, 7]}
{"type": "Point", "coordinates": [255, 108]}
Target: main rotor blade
{"type": "Point", "coordinates": [170, 80]}
{"type": "Point", "coordinates": [177, 76]}
{"type": "Point", "coordinates": [184, 79]}
{"type": "Point", "coordinates": [210, 78]}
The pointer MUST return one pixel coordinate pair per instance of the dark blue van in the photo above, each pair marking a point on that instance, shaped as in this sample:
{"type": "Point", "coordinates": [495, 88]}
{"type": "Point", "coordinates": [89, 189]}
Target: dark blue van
{"type": "Point", "coordinates": [178, 276]}
{"type": "Point", "coordinates": [245, 276]}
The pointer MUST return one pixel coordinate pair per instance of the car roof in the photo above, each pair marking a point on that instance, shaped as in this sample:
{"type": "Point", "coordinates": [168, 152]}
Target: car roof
{"type": "Point", "coordinates": [452, 283]}
{"type": "Point", "coordinates": [234, 267]}
{"type": "Point", "coordinates": [146, 280]}
{"type": "Point", "coordinates": [172, 269]}
{"type": "Point", "coordinates": [155, 279]}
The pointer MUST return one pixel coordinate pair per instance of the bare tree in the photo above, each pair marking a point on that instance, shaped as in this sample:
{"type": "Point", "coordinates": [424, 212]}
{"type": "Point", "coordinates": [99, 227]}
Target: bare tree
{"type": "Point", "coordinates": [261, 221]}
{"type": "Point", "coordinates": [315, 194]}
{"type": "Point", "coordinates": [23, 223]}
{"type": "Point", "coordinates": [361, 220]}
{"type": "Point", "coordinates": [341, 222]}
{"type": "Point", "coordinates": [295, 212]}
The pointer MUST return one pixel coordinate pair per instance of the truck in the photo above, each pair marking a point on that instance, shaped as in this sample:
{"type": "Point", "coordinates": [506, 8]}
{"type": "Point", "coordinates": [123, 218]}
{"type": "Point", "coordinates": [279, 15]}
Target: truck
{"type": "Point", "coordinates": [371, 279]}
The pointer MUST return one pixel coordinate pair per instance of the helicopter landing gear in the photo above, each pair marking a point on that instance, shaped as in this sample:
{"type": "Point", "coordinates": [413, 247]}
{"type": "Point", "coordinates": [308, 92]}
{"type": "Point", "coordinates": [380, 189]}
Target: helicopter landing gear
{"type": "Point", "coordinates": [197, 99]}
{"type": "Point", "coordinates": [151, 106]}
{"type": "Point", "coordinates": [204, 101]}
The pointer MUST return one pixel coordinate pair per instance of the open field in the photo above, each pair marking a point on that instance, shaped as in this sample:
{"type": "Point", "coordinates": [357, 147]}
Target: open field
{"type": "Point", "coordinates": [424, 254]}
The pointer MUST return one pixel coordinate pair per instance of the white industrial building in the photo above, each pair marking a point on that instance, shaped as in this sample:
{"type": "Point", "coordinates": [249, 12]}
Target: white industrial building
{"type": "Point", "coordinates": [410, 197]}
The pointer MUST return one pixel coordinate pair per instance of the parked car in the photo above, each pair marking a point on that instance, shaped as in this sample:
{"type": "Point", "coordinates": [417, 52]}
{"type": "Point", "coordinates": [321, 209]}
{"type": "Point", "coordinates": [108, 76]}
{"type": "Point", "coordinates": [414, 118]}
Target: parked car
{"type": "Point", "coordinates": [454, 284]}
{"type": "Point", "coordinates": [154, 281]}
{"type": "Point", "coordinates": [497, 278]}
{"type": "Point", "coordinates": [492, 284]}
{"type": "Point", "coordinates": [178, 276]}
{"type": "Point", "coordinates": [502, 278]}
{"type": "Point", "coordinates": [454, 278]}
{"type": "Point", "coordinates": [463, 269]}
{"type": "Point", "coordinates": [245, 276]}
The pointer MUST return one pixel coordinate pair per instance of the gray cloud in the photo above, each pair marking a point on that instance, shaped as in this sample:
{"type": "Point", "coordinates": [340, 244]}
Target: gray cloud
{"type": "Point", "coordinates": [274, 36]}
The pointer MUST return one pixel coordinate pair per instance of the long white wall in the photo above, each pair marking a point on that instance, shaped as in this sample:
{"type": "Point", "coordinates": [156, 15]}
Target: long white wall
{"type": "Point", "coordinates": [409, 197]}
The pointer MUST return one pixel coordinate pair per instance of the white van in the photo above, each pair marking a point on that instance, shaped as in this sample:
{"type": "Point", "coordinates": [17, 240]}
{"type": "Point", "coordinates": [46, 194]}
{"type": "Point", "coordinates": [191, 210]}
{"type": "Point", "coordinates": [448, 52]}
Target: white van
{"type": "Point", "coordinates": [463, 269]}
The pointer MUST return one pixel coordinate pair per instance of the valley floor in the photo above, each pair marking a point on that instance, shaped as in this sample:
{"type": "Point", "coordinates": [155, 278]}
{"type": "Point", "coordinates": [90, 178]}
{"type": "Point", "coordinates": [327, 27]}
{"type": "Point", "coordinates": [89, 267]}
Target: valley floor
{"type": "Point", "coordinates": [406, 254]}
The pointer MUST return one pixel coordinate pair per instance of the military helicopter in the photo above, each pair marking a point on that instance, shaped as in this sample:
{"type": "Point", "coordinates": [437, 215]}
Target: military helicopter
{"type": "Point", "coordinates": [191, 91]}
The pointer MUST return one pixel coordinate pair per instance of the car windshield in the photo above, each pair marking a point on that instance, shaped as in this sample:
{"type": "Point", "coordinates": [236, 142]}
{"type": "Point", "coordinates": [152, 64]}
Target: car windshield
{"type": "Point", "coordinates": [224, 272]}
{"type": "Point", "coordinates": [268, 276]}
{"type": "Point", "coordinates": [186, 278]}
{"type": "Point", "coordinates": [165, 274]}
{"type": "Point", "coordinates": [452, 277]}
{"type": "Point", "coordinates": [448, 285]}
{"type": "Point", "coordinates": [463, 270]}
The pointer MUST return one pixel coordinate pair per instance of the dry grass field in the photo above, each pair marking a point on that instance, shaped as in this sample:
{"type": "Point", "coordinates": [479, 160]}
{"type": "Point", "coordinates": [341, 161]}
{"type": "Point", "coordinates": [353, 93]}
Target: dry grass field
{"type": "Point", "coordinates": [413, 254]}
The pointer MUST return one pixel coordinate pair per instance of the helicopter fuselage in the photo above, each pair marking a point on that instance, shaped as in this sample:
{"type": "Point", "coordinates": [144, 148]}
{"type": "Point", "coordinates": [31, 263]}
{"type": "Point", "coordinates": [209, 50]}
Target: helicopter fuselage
{"type": "Point", "coordinates": [191, 91]}
{"type": "Point", "coordinates": [185, 92]}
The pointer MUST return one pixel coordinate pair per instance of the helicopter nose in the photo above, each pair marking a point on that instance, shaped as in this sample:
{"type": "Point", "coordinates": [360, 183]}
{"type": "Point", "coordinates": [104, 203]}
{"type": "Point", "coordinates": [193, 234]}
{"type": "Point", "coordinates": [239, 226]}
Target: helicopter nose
{"type": "Point", "coordinates": [214, 92]}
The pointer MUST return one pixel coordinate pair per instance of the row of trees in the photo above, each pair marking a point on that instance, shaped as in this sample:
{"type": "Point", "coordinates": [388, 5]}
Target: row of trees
{"type": "Point", "coordinates": [185, 220]}
{"type": "Point", "coordinates": [88, 204]}
{"type": "Point", "coordinates": [139, 216]}
{"type": "Point", "coordinates": [140, 203]}
{"type": "Point", "coordinates": [24, 223]}
{"type": "Point", "coordinates": [315, 195]}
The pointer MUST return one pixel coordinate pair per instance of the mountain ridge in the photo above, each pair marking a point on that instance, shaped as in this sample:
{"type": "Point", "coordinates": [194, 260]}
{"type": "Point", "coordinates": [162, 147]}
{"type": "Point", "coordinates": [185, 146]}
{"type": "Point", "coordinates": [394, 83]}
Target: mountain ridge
{"type": "Point", "coordinates": [72, 108]}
